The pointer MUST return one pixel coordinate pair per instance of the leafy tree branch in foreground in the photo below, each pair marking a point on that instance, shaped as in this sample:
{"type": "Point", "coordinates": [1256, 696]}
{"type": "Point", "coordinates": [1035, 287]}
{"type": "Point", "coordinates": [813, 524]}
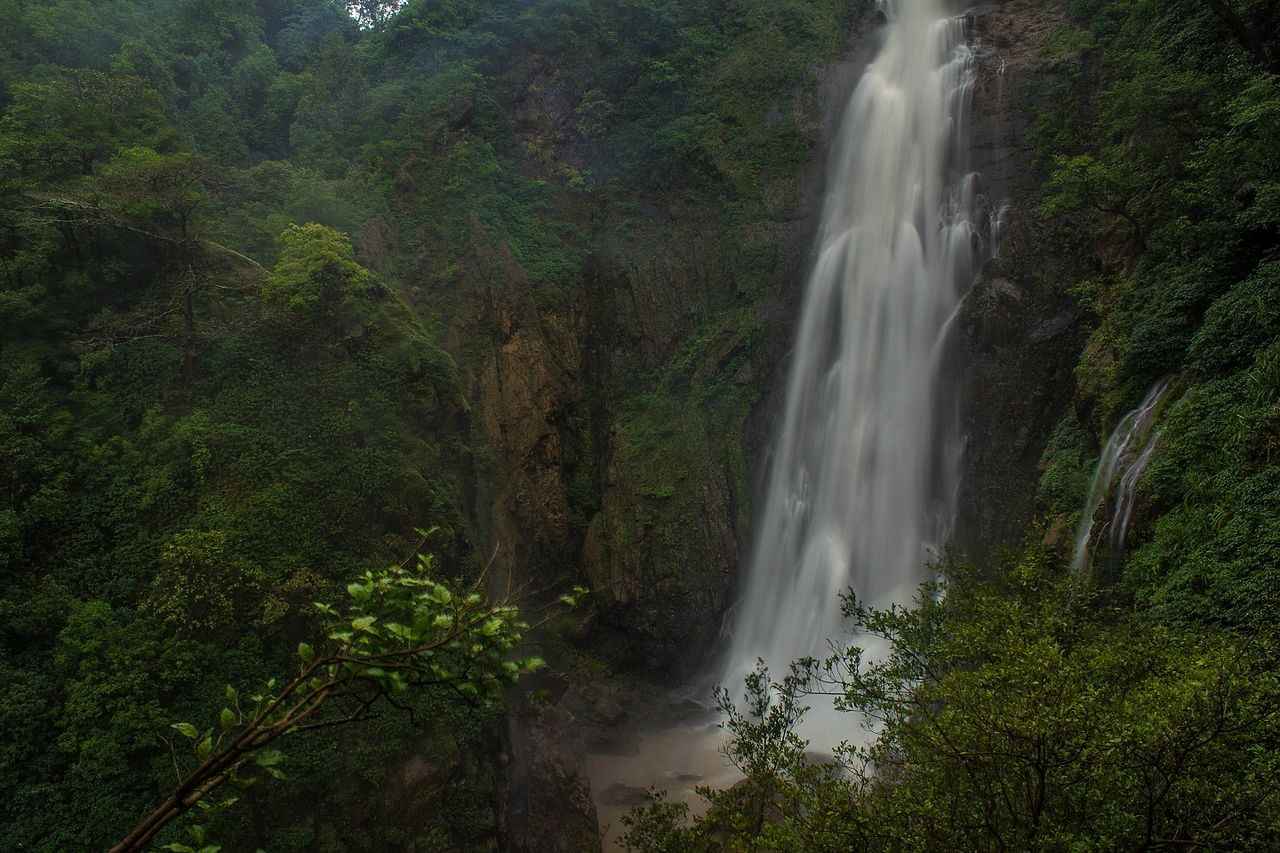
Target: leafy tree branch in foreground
{"type": "Point", "coordinates": [401, 630]}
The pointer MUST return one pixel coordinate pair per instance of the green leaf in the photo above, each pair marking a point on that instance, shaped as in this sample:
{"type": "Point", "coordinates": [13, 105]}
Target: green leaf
{"type": "Point", "coordinates": [232, 694]}
{"type": "Point", "coordinates": [187, 729]}
{"type": "Point", "coordinates": [178, 848]}
{"type": "Point", "coordinates": [205, 749]}
{"type": "Point", "coordinates": [306, 652]}
{"type": "Point", "coordinates": [276, 773]}
{"type": "Point", "coordinates": [364, 623]}
{"type": "Point", "coordinates": [227, 719]}
{"type": "Point", "coordinates": [197, 833]}
{"type": "Point", "coordinates": [268, 758]}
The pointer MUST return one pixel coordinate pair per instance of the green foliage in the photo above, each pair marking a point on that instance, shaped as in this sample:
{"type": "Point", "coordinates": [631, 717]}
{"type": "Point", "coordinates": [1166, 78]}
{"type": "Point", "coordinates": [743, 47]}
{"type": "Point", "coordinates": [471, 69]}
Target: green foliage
{"type": "Point", "coordinates": [1238, 324]}
{"type": "Point", "coordinates": [1215, 488]}
{"type": "Point", "coordinates": [402, 631]}
{"type": "Point", "coordinates": [1167, 155]}
{"type": "Point", "coordinates": [1021, 713]}
{"type": "Point", "coordinates": [316, 273]}
{"type": "Point", "coordinates": [1188, 175]}
{"type": "Point", "coordinates": [199, 589]}
{"type": "Point", "coordinates": [1066, 468]}
{"type": "Point", "coordinates": [117, 672]}
{"type": "Point", "coordinates": [211, 413]}
{"type": "Point", "coordinates": [61, 125]}
{"type": "Point", "coordinates": [156, 189]}
{"type": "Point", "coordinates": [193, 447]}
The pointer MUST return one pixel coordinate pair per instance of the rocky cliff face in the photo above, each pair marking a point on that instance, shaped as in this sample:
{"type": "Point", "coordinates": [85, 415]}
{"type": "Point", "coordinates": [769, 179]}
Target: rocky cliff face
{"type": "Point", "coordinates": [620, 419]}
{"type": "Point", "coordinates": [1020, 333]}
{"type": "Point", "coordinates": [619, 423]}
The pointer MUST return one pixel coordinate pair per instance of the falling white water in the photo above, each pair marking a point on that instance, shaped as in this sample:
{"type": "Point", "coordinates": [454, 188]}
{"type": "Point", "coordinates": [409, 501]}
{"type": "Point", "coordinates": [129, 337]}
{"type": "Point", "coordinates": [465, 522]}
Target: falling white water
{"type": "Point", "coordinates": [1118, 460]}
{"type": "Point", "coordinates": [1126, 494]}
{"type": "Point", "coordinates": [861, 488]}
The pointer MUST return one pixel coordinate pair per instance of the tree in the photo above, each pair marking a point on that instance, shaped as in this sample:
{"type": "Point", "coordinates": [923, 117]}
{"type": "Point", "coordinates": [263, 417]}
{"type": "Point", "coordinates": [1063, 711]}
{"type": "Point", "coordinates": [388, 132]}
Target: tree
{"type": "Point", "coordinates": [786, 801]}
{"type": "Point", "coordinates": [1108, 186]}
{"type": "Point", "coordinates": [1019, 714]}
{"type": "Point", "coordinates": [199, 587]}
{"type": "Point", "coordinates": [64, 126]}
{"type": "Point", "coordinates": [318, 288]}
{"type": "Point", "coordinates": [160, 192]}
{"type": "Point", "coordinates": [402, 630]}
{"type": "Point", "coordinates": [374, 14]}
{"type": "Point", "coordinates": [155, 197]}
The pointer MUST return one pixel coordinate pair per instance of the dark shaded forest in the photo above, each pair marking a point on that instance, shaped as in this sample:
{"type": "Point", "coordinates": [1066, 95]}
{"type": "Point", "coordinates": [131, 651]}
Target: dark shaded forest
{"type": "Point", "coordinates": [284, 284]}
{"type": "Point", "coordinates": [235, 237]}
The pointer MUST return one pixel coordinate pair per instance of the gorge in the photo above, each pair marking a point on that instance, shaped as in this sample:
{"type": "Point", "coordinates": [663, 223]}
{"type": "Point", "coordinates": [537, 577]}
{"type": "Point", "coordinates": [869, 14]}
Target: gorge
{"type": "Point", "coordinates": [495, 379]}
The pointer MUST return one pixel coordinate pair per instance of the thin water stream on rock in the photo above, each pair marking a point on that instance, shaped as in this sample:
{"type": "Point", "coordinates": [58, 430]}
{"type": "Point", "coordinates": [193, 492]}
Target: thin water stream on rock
{"type": "Point", "coordinates": [1123, 460]}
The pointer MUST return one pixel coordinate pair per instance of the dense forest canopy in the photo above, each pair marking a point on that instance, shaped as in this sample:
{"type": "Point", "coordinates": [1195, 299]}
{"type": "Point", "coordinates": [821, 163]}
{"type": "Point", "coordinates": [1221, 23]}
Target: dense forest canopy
{"type": "Point", "coordinates": [233, 236]}
{"type": "Point", "coordinates": [256, 258]}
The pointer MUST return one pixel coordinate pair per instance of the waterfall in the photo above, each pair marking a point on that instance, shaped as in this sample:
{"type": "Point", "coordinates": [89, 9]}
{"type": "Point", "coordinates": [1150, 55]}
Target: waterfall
{"type": "Point", "coordinates": [861, 488]}
{"type": "Point", "coordinates": [1125, 494]}
{"type": "Point", "coordinates": [1119, 460]}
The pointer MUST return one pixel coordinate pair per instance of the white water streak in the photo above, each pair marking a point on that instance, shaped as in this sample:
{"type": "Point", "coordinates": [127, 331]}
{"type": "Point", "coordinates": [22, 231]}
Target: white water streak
{"type": "Point", "coordinates": [861, 489]}
{"type": "Point", "coordinates": [1126, 495]}
{"type": "Point", "coordinates": [1117, 460]}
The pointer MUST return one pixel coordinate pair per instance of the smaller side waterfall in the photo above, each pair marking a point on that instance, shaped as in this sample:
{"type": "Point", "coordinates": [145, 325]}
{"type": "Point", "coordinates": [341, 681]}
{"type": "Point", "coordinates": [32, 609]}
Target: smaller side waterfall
{"type": "Point", "coordinates": [1125, 494]}
{"type": "Point", "coordinates": [1124, 458]}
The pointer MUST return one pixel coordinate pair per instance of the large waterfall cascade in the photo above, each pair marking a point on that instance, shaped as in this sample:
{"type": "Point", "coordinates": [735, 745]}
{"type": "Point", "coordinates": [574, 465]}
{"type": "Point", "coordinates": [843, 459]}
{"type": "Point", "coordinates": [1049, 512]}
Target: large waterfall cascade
{"type": "Point", "coordinates": [1124, 459]}
{"type": "Point", "coordinates": [863, 476]}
